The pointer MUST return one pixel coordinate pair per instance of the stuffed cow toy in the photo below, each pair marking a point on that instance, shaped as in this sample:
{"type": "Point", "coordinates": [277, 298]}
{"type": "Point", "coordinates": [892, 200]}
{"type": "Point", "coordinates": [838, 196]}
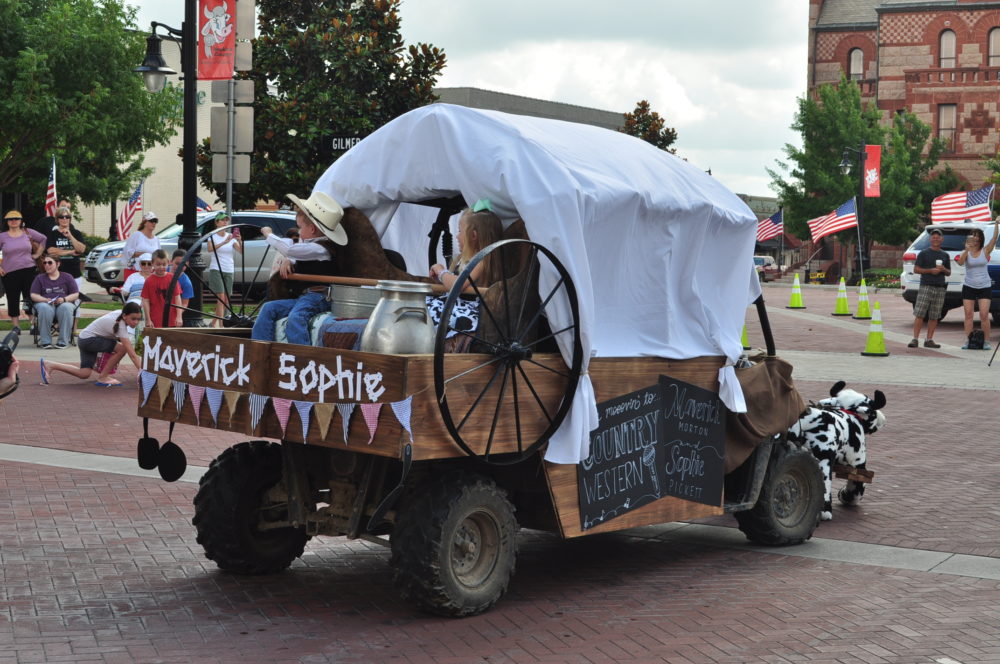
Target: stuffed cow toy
{"type": "Point", "coordinates": [835, 430]}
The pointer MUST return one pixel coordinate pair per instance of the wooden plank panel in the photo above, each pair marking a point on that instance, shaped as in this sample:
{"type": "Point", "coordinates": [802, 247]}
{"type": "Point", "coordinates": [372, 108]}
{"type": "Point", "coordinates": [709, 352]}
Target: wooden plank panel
{"type": "Point", "coordinates": [334, 375]}
{"type": "Point", "coordinates": [612, 377]}
{"type": "Point", "coordinates": [432, 438]}
{"type": "Point", "coordinates": [205, 359]}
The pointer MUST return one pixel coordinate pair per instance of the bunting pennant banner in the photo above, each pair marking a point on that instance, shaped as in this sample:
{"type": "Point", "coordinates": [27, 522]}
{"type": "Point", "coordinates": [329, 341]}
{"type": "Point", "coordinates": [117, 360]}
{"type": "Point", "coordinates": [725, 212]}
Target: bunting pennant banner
{"type": "Point", "coordinates": [304, 408]}
{"type": "Point", "coordinates": [324, 415]}
{"type": "Point", "coordinates": [257, 404]}
{"type": "Point", "coordinates": [282, 408]}
{"type": "Point", "coordinates": [180, 389]}
{"type": "Point", "coordinates": [162, 389]}
{"type": "Point", "coordinates": [214, 397]}
{"type": "Point", "coordinates": [345, 416]}
{"type": "Point", "coordinates": [232, 401]}
{"type": "Point", "coordinates": [197, 393]}
{"type": "Point", "coordinates": [370, 412]}
{"type": "Point", "coordinates": [402, 410]}
{"type": "Point", "coordinates": [146, 379]}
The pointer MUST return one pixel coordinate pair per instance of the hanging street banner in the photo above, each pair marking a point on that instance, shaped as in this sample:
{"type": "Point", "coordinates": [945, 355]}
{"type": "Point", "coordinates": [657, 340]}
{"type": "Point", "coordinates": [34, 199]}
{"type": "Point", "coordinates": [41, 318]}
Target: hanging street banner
{"type": "Point", "coordinates": [873, 171]}
{"type": "Point", "coordinates": [217, 41]}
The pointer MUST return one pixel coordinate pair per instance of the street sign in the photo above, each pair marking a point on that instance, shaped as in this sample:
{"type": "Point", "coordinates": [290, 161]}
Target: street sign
{"type": "Point", "coordinates": [241, 168]}
{"type": "Point", "coordinates": [246, 19]}
{"type": "Point", "coordinates": [330, 145]}
{"type": "Point", "coordinates": [244, 92]}
{"type": "Point", "coordinates": [243, 139]}
{"type": "Point", "coordinates": [244, 56]}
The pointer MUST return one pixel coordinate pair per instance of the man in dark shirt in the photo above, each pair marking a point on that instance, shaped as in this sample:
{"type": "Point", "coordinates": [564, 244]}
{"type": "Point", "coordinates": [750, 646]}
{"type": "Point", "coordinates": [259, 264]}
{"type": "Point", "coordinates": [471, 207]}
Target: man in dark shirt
{"type": "Point", "coordinates": [933, 266]}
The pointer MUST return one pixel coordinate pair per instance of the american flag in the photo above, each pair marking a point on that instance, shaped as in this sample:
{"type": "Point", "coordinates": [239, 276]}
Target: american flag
{"type": "Point", "coordinates": [129, 212]}
{"type": "Point", "coordinates": [51, 201]}
{"type": "Point", "coordinates": [962, 205]}
{"type": "Point", "coordinates": [201, 206]}
{"type": "Point", "coordinates": [770, 227]}
{"type": "Point", "coordinates": [844, 217]}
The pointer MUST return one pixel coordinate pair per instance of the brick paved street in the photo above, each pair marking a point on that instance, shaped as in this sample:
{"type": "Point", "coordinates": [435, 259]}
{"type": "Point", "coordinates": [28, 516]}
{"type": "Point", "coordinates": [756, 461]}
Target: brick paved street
{"type": "Point", "coordinates": [99, 567]}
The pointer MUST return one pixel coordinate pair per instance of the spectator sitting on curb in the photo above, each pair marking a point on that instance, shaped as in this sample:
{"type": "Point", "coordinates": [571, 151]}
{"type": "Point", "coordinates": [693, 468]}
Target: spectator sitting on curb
{"type": "Point", "coordinates": [933, 266]}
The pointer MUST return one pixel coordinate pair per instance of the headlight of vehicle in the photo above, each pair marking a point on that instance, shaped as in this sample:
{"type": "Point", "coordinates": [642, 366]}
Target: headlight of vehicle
{"type": "Point", "coordinates": [115, 253]}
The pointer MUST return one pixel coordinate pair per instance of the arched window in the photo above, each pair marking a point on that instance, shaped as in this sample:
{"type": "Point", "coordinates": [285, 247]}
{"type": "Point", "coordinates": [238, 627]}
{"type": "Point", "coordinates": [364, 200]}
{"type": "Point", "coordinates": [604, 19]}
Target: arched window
{"type": "Point", "coordinates": [855, 64]}
{"type": "Point", "coordinates": [946, 60]}
{"type": "Point", "coordinates": [994, 48]}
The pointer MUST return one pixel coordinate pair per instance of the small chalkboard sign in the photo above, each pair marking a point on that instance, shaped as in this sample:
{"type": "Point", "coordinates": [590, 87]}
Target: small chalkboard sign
{"type": "Point", "coordinates": [620, 473]}
{"type": "Point", "coordinates": [692, 431]}
{"type": "Point", "coordinates": [662, 440]}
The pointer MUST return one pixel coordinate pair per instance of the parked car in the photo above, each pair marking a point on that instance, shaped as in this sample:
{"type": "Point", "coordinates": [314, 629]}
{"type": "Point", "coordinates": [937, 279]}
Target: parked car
{"type": "Point", "coordinates": [953, 243]}
{"type": "Point", "coordinates": [767, 269]}
{"type": "Point", "coordinates": [105, 267]}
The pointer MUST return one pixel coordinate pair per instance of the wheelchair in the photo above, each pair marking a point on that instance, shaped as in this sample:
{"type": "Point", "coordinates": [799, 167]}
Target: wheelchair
{"type": "Point", "coordinates": [29, 308]}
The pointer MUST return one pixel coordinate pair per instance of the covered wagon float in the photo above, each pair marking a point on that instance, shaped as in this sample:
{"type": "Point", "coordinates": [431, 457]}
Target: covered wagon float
{"type": "Point", "coordinates": [599, 391]}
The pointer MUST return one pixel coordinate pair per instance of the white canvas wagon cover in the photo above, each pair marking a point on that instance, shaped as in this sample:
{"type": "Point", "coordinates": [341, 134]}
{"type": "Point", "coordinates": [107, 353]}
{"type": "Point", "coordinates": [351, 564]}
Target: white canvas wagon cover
{"type": "Point", "coordinates": [660, 252]}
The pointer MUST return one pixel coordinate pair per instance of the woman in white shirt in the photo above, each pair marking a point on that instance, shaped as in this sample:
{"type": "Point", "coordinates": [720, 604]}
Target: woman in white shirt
{"type": "Point", "coordinates": [142, 241]}
{"type": "Point", "coordinates": [221, 266]}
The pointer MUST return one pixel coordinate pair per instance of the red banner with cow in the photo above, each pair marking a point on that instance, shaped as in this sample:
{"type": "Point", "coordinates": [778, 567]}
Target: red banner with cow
{"type": "Point", "coordinates": [217, 41]}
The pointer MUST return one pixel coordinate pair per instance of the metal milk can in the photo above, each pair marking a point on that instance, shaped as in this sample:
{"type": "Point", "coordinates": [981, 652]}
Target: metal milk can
{"type": "Point", "coordinates": [400, 322]}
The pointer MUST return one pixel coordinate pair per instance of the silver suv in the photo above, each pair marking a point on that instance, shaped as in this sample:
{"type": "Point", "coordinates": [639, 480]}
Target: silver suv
{"type": "Point", "coordinates": [105, 267]}
{"type": "Point", "coordinates": [953, 243]}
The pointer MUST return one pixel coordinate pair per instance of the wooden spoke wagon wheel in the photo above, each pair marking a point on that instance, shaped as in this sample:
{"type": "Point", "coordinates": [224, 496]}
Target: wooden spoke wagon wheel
{"type": "Point", "coordinates": [506, 396]}
{"type": "Point", "coordinates": [241, 301]}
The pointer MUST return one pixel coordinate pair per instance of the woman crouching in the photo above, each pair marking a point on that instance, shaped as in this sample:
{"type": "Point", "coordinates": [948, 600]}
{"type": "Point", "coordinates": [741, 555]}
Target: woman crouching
{"type": "Point", "coordinates": [107, 334]}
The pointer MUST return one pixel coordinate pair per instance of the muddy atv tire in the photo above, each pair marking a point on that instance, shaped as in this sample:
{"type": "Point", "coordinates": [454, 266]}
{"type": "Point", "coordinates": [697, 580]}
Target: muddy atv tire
{"type": "Point", "coordinates": [229, 506]}
{"type": "Point", "coordinates": [791, 498]}
{"type": "Point", "coordinates": [454, 546]}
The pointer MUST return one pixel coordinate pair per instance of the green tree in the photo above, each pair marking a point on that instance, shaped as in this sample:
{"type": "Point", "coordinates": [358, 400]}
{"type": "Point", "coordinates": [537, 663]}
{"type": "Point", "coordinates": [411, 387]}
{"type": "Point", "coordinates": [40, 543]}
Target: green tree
{"type": "Point", "coordinates": [67, 89]}
{"type": "Point", "coordinates": [815, 184]}
{"type": "Point", "coordinates": [993, 163]}
{"type": "Point", "coordinates": [321, 69]}
{"type": "Point", "coordinates": [650, 127]}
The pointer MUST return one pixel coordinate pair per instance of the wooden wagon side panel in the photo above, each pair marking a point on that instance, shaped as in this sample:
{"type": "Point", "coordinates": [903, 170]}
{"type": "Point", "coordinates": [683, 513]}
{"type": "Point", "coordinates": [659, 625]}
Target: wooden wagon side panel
{"type": "Point", "coordinates": [612, 377]}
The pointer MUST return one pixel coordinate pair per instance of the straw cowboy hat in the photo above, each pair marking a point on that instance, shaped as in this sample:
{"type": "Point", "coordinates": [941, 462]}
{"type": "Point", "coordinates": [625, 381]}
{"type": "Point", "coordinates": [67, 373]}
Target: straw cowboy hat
{"type": "Point", "coordinates": [325, 212]}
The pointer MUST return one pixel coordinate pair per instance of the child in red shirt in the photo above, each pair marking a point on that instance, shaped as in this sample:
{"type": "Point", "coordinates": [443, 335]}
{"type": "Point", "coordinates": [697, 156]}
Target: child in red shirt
{"type": "Point", "coordinates": [154, 293]}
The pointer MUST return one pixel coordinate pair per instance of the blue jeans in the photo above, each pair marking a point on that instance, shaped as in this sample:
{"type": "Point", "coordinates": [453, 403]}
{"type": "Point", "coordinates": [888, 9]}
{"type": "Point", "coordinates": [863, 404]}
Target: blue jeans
{"type": "Point", "coordinates": [298, 311]}
{"type": "Point", "coordinates": [62, 314]}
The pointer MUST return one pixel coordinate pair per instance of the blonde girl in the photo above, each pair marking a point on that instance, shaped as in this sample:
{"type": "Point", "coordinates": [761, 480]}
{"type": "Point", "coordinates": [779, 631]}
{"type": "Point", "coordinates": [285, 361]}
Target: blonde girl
{"type": "Point", "coordinates": [477, 228]}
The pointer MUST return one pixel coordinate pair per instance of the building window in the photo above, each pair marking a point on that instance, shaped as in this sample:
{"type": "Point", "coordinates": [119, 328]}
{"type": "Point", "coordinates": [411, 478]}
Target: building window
{"type": "Point", "coordinates": [994, 47]}
{"type": "Point", "coordinates": [856, 64]}
{"type": "Point", "coordinates": [946, 125]}
{"type": "Point", "coordinates": [947, 50]}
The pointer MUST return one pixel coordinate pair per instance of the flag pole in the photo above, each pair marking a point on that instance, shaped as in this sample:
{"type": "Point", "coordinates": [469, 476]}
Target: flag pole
{"type": "Point", "coordinates": [861, 256]}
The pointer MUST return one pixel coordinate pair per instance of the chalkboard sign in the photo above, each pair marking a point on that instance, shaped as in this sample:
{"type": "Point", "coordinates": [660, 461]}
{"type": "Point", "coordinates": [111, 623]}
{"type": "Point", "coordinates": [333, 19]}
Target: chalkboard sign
{"type": "Point", "coordinates": [662, 440]}
{"type": "Point", "coordinates": [692, 434]}
{"type": "Point", "coordinates": [620, 473]}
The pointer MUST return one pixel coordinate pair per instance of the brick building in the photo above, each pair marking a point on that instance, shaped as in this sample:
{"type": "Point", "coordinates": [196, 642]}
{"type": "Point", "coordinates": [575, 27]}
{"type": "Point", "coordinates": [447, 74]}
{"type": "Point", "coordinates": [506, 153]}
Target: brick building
{"type": "Point", "coordinates": [939, 59]}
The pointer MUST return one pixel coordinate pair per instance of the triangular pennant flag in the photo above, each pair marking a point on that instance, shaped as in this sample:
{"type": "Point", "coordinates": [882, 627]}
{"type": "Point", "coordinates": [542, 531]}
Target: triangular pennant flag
{"type": "Point", "coordinates": [147, 379]}
{"type": "Point", "coordinates": [214, 397]}
{"type": "Point", "coordinates": [180, 389]}
{"type": "Point", "coordinates": [232, 401]}
{"type": "Point", "coordinates": [304, 408]}
{"type": "Point", "coordinates": [324, 414]}
{"type": "Point", "coordinates": [162, 389]}
{"type": "Point", "coordinates": [257, 404]}
{"type": "Point", "coordinates": [345, 410]}
{"type": "Point", "coordinates": [282, 408]}
{"type": "Point", "coordinates": [402, 411]}
{"type": "Point", "coordinates": [197, 393]}
{"type": "Point", "coordinates": [370, 412]}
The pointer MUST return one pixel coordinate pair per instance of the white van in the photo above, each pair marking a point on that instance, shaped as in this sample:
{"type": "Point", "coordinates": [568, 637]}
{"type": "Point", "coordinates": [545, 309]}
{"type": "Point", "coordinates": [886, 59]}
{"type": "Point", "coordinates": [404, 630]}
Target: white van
{"type": "Point", "coordinates": [953, 243]}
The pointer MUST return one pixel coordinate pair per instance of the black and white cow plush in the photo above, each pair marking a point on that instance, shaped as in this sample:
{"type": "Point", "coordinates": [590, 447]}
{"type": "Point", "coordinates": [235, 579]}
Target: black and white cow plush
{"type": "Point", "coordinates": [835, 432]}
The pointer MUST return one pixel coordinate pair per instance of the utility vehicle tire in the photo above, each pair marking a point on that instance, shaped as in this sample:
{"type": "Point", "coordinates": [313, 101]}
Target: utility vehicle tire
{"type": "Point", "coordinates": [229, 506]}
{"type": "Point", "coordinates": [454, 545]}
{"type": "Point", "coordinates": [790, 501]}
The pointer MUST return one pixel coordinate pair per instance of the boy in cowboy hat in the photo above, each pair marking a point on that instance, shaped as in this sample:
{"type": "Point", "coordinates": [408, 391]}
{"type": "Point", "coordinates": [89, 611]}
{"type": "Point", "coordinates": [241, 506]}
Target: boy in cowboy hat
{"type": "Point", "coordinates": [318, 218]}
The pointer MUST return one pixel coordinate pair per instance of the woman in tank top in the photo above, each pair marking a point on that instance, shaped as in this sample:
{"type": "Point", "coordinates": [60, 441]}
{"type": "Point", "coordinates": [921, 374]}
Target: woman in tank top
{"type": "Point", "coordinates": [977, 286]}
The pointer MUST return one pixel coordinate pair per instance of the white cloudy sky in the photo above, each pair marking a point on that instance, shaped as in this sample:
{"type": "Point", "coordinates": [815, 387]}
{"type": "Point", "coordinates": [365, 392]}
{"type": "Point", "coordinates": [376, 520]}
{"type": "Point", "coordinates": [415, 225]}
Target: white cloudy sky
{"type": "Point", "coordinates": [724, 73]}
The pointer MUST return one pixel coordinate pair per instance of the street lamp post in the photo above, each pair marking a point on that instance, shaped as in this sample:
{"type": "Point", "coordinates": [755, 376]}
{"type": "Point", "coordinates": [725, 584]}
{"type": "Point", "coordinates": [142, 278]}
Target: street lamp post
{"type": "Point", "coordinates": [845, 167]}
{"type": "Point", "coordinates": [155, 71]}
